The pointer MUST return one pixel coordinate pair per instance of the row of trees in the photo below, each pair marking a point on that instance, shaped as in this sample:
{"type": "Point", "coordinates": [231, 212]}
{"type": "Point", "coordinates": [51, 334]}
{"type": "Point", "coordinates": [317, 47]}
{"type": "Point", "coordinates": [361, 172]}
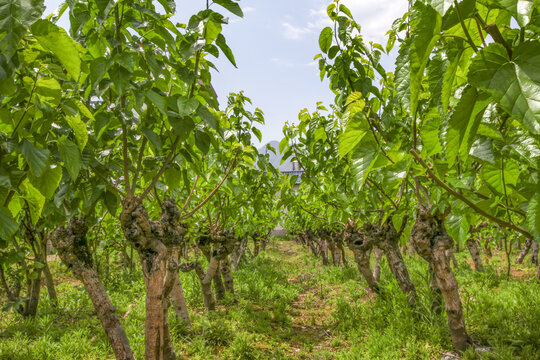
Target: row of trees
{"type": "Point", "coordinates": [442, 147]}
{"type": "Point", "coordinates": [113, 134]}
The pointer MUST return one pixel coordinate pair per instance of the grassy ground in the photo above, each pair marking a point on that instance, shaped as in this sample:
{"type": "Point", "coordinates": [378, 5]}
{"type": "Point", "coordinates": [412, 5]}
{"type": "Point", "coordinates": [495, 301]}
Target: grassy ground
{"type": "Point", "coordinates": [291, 307]}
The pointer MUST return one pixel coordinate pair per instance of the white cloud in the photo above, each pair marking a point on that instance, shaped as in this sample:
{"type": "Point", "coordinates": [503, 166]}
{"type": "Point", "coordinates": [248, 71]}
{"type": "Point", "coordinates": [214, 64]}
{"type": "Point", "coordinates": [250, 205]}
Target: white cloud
{"type": "Point", "coordinates": [294, 32]}
{"type": "Point", "coordinates": [375, 18]}
{"type": "Point", "coordinates": [248, 9]}
{"type": "Point", "coordinates": [283, 63]}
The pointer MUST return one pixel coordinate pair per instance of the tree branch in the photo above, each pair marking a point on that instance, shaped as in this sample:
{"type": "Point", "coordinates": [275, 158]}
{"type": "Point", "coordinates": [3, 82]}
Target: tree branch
{"type": "Point", "coordinates": [467, 201]}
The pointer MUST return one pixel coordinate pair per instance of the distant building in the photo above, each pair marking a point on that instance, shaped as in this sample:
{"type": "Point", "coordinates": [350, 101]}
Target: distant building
{"type": "Point", "coordinates": [288, 167]}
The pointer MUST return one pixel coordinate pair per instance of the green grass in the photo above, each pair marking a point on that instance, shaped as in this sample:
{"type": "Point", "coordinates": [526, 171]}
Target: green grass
{"type": "Point", "coordinates": [290, 306]}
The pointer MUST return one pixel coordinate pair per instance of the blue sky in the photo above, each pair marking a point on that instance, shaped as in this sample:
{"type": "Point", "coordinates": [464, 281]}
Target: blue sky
{"type": "Point", "coordinates": [274, 45]}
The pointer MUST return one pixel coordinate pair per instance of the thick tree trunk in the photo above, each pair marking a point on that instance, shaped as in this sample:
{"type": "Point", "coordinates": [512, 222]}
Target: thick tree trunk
{"type": "Point", "coordinates": [475, 254]}
{"type": "Point", "coordinates": [73, 250]}
{"type": "Point", "coordinates": [534, 253]}
{"type": "Point", "coordinates": [179, 301]}
{"type": "Point", "coordinates": [362, 260]}
{"type": "Point", "coordinates": [450, 255]}
{"type": "Point", "coordinates": [342, 251]}
{"type": "Point", "coordinates": [227, 276]}
{"type": "Point", "coordinates": [436, 301]}
{"type": "Point", "coordinates": [324, 251]}
{"type": "Point", "coordinates": [388, 242]}
{"type": "Point", "coordinates": [525, 251]}
{"type": "Point", "coordinates": [377, 263]}
{"type": "Point", "coordinates": [33, 296]}
{"type": "Point", "coordinates": [206, 287]}
{"type": "Point", "coordinates": [47, 273]}
{"type": "Point", "coordinates": [156, 241]}
{"type": "Point", "coordinates": [431, 242]}
{"type": "Point", "coordinates": [238, 252]}
{"type": "Point", "coordinates": [336, 255]}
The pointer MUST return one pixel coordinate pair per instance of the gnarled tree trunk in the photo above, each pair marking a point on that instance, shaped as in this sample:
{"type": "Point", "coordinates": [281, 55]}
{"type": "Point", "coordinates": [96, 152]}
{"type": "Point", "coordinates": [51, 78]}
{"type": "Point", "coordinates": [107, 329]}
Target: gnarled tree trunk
{"type": "Point", "coordinates": [525, 251]}
{"type": "Point", "coordinates": [475, 254]}
{"type": "Point", "coordinates": [431, 242]}
{"type": "Point", "coordinates": [155, 242]}
{"type": "Point", "coordinates": [72, 248]}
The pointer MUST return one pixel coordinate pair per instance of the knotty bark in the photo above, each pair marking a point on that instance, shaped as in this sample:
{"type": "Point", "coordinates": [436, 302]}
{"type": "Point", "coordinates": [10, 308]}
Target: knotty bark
{"type": "Point", "coordinates": [475, 254]}
{"type": "Point", "coordinates": [534, 253]}
{"type": "Point", "coordinates": [155, 241]}
{"type": "Point", "coordinates": [361, 243]}
{"type": "Point", "coordinates": [72, 247]}
{"type": "Point", "coordinates": [526, 248]}
{"type": "Point", "coordinates": [389, 244]}
{"type": "Point", "coordinates": [431, 242]}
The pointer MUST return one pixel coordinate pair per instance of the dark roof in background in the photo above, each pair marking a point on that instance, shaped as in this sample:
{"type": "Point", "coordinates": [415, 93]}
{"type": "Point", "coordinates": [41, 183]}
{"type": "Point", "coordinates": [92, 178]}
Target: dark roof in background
{"type": "Point", "coordinates": [275, 159]}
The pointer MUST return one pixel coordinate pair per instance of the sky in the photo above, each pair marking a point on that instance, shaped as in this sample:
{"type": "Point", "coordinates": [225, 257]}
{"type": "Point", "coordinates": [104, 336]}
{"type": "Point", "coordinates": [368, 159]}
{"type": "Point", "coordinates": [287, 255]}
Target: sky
{"type": "Point", "coordinates": [274, 46]}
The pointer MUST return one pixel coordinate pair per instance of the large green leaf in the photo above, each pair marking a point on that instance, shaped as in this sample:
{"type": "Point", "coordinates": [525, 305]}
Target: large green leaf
{"type": "Point", "coordinates": [533, 216]}
{"type": "Point", "coordinates": [514, 84]}
{"type": "Point", "coordinates": [8, 226]}
{"type": "Point", "coordinates": [442, 6]}
{"type": "Point", "coordinates": [364, 158]}
{"type": "Point", "coordinates": [231, 6]}
{"type": "Point", "coordinates": [403, 74]}
{"type": "Point", "coordinates": [16, 16]}
{"type": "Point", "coordinates": [357, 128]}
{"type": "Point", "coordinates": [35, 200]}
{"type": "Point", "coordinates": [426, 32]}
{"type": "Point", "coordinates": [492, 175]}
{"type": "Point", "coordinates": [37, 158]}
{"type": "Point", "coordinates": [69, 153]}
{"type": "Point", "coordinates": [57, 41]}
{"type": "Point", "coordinates": [325, 39]}
{"type": "Point", "coordinates": [463, 124]}
{"type": "Point", "coordinates": [48, 182]}
{"type": "Point", "coordinates": [79, 128]}
{"type": "Point", "coordinates": [521, 10]}
{"type": "Point", "coordinates": [222, 44]}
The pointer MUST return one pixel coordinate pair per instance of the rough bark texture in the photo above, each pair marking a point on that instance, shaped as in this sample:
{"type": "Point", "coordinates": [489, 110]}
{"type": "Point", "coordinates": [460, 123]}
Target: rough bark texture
{"type": "Point", "coordinates": [524, 251]}
{"type": "Point", "coordinates": [155, 242]}
{"type": "Point", "coordinates": [377, 264]}
{"type": "Point", "coordinates": [534, 253]}
{"type": "Point", "coordinates": [228, 280]}
{"type": "Point", "coordinates": [72, 248]}
{"type": "Point", "coordinates": [360, 241]}
{"type": "Point", "coordinates": [475, 254]}
{"type": "Point", "coordinates": [389, 244]}
{"type": "Point", "coordinates": [238, 252]}
{"type": "Point", "coordinates": [431, 242]}
{"type": "Point", "coordinates": [452, 257]}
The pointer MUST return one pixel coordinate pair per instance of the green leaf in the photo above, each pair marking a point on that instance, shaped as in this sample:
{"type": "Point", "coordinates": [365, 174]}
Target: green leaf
{"type": "Point", "coordinates": [48, 182]}
{"type": "Point", "coordinates": [521, 10]}
{"type": "Point", "coordinates": [79, 129]}
{"type": "Point", "coordinates": [283, 144]}
{"type": "Point", "coordinates": [16, 17]}
{"type": "Point", "coordinates": [442, 6]}
{"type": "Point", "coordinates": [207, 117]}
{"type": "Point", "coordinates": [160, 102]}
{"type": "Point", "coordinates": [427, 28]}
{"type": "Point", "coordinates": [222, 44]}
{"type": "Point", "coordinates": [187, 106]}
{"type": "Point", "coordinates": [56, 40]}
{"type": "Point", "coordinates": [463, 124]}
{"type": "Point", "coordinates": [231, 6]}
{"type": "Point", "coordinates": [514, 84]}
{"type": "Point", "coordinates": [458, 226]}
{"type": "Point", "coordinates": [429, 133]}
{"type": "Point", "coordinates": [35, 200]}
{"type": "Point", "coordinates": [364, 158]}
{"type": "Point", "coordinates": [212, 30]}
{"type": "Point", "coordinates": [37, 158]}
{"type": "Point", "coordinates": [8, 226]}
{"type": "Point", "coordinates": [168, 5]}
{"type": "Point", "coordinates": [533, 216]}
{"type": "Point", "coordinates": [325, 39]}
{"type": "Point", "coordinates": [492, 175]}
{"type": "Point", "coordinates": [69, 153]}
{"type": "Point", "coordinates": [345, 10]}
{"type": "Point", "coordinates": [84, 110]}
{"type": "Point", "coordinates": [48, 90]}
{"type": "Point", "coordinates": [111, 202]}
{"type": "Point", "coordinates": [403, 74]}
{"type": "Point", "coordinates": [202, 141]}
{"type": "Point", "coordinates": [356, 129]}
